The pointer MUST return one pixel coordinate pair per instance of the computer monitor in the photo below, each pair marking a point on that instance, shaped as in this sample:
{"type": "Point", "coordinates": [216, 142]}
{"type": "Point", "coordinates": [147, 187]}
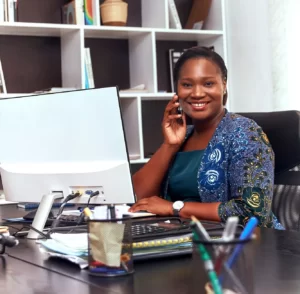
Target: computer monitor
{"type": "Point", "coordinates": [58, 143]}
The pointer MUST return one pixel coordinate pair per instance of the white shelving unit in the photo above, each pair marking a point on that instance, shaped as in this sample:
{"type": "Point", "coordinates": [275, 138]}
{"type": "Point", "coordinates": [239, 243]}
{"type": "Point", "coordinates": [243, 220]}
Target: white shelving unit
{"type": "Point", "coordinates": [145, 52]}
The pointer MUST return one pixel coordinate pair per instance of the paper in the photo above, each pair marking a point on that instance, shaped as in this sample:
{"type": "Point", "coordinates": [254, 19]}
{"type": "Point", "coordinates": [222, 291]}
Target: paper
{"type": "Point", "coordinates": [69, 244]}
{"type": "Point", "coordinates": [123, 210]}
{"type": "Point", "coordinates": [74, 241]}
{"type": "Point", "coordinates": [106, 242]}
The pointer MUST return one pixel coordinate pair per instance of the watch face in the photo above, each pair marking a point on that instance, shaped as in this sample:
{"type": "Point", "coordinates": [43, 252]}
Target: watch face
{"type": "Point", "coordinates": [178, 205]}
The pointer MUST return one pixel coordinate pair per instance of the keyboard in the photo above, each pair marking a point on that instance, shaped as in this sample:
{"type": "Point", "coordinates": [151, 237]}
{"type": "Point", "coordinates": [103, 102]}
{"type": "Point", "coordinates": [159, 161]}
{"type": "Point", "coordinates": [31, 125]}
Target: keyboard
{"type": "Point", "coordinates": [147, 229]}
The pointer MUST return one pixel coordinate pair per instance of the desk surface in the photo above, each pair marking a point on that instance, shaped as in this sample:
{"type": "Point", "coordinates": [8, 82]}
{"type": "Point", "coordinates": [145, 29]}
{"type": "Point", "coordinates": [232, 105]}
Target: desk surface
{"type": "Point", "coordinates": [277, 269]}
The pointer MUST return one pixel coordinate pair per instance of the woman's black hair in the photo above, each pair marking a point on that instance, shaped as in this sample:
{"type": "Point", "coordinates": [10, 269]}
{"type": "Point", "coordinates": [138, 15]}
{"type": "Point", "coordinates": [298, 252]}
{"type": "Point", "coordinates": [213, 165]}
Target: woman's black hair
{"type": "Point", "coordinates": [201, 52]}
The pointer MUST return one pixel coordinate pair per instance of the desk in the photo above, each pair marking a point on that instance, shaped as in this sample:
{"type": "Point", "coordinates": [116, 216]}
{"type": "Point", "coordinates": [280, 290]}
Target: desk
{"type": "Point", "coordinates": [277, 269]}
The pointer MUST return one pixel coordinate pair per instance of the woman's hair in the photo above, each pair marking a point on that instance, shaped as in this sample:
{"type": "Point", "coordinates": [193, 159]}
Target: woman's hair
{"type": "Point", "coordinates": [201, 52]}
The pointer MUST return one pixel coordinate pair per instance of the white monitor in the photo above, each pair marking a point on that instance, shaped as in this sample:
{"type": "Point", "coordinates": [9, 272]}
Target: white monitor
{"type": "Point", "coordinates": [59, 143]}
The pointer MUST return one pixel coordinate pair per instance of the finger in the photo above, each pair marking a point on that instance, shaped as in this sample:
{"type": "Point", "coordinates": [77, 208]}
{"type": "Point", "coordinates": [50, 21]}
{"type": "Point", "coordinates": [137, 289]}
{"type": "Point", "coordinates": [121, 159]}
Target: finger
{"type": "Point", "coordinates": [142, 201]}
{"type": "Point", "coordinates": [173, 100]}
{"type": "Point", "coordinates": [174, 116]}
{"type": "Point", "coordinates": [171, 106]}
{"type": "Point", "coordinates": [139, 208]}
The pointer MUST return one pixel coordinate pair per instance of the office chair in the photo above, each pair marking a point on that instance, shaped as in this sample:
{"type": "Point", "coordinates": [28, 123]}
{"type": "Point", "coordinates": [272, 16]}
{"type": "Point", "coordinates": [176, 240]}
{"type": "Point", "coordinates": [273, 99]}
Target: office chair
{"type": "Point", "coordinates": [283, 131]}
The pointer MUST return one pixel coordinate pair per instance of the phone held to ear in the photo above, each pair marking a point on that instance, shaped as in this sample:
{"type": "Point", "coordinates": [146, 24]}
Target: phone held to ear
{"type": "Point", "coordinates": [179, 110]}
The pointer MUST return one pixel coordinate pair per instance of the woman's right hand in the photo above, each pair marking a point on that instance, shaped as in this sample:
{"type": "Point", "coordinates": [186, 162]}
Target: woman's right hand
{"type": "Point", "coordinates": [174, 124]}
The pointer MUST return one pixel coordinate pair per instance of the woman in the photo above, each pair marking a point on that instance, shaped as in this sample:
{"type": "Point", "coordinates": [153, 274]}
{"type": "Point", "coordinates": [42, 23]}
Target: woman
{"type": "Point", "coordinates": [221, 166]}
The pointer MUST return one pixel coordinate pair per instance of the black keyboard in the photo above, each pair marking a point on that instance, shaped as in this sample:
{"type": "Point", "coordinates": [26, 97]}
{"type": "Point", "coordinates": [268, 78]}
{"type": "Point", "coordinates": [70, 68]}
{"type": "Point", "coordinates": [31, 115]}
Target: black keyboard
{"type": "Point", "coordinates": [145, 229]}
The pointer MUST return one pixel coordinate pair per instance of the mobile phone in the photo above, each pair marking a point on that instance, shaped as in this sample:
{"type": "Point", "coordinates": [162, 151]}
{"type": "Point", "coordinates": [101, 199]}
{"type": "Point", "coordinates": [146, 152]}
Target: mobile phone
{"type": "Point", "coordinates": [179, 110]}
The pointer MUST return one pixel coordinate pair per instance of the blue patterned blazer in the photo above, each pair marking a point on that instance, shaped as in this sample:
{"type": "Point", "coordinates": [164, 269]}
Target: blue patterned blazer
{"type": "Point", "coordinates": [237, 169]}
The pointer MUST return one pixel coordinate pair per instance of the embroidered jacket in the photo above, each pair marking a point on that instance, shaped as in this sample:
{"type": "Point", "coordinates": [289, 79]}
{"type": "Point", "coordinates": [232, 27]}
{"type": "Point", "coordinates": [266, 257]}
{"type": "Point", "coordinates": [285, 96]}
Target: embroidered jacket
{"type": "Point", "coordinates": [237, 169]}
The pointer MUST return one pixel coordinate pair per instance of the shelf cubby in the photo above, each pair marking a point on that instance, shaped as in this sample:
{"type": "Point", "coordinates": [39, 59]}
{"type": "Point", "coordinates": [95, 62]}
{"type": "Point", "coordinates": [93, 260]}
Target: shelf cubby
{"type": "Point", "coordinates": [37, 11]}
{"type": "Point", "coordinates": [152, 116]}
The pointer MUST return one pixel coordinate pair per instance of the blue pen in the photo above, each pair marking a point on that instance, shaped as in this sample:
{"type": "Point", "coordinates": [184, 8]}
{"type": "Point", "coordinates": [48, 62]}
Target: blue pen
{"type": "Point", "coordinates": [247, 232]}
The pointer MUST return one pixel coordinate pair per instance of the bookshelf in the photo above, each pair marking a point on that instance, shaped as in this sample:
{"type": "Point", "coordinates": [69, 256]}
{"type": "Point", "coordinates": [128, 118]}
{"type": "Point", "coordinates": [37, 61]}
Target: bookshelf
{"type": "Point", "coordinates": [39, 52]}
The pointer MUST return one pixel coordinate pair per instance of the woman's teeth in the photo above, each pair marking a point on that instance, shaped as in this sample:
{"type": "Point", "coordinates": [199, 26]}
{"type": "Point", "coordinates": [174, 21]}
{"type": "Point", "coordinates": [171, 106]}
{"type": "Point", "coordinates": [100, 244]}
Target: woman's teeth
{"type": "Point", "coordinates": [198, 104]}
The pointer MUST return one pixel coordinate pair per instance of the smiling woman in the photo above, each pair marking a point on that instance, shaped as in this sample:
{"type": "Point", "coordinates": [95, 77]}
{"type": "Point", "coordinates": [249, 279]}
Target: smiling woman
{"type": "Point", "coordinates": [221, 166]}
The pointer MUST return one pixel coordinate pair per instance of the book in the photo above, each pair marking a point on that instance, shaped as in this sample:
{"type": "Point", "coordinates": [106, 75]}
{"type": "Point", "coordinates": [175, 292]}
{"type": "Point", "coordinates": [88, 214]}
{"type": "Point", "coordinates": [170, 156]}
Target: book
{"type": "Point", "coordinates": [88, 12]}
{"type": "Point", "coordinates": [73, 12]}
{"type": "Point", "coordinates": [2, 11]}
{"type": "Point", "coordinates": [198, 14]}
{"type": "Point", "coordinates": [5, 10]}
{"type": "Point", "coordinates": [89, 76]}
{"type": "Point", "coordinates": [174, 21]}
{"type": "Point", "coordinates": [173, 57]}
{"type": "Point", "coordinates": [2, 81]}
{"type": "Point", "coordinates": [12, 10]}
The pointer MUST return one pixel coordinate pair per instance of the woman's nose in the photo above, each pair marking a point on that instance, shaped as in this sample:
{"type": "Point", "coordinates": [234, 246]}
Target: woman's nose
{"type": "Point", "coordinates": [198, 91]}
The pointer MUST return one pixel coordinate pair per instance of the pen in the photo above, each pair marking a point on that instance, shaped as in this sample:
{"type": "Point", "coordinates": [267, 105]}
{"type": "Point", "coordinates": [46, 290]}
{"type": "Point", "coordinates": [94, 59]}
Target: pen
{"type": "Point", "coordinates": [227, 236]}
{"type": "Point", "coordinates": [246, 233]}
{"type": "Point", "coordinates": [200, 232]}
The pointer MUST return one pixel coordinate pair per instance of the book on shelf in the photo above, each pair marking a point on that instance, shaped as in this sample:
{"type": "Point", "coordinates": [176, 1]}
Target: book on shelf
{"type": "Point", "coordinates": [88, 68]}
{"type": "Point", "coordinates": [8, 10]}
{"type": "Point", "coordinates": [73, 12]}
{"type": "Point", "coordinates": [173, 57]}
{"type": "Point", "coordinates": [89, 12]}
{"type": "Point", "coordinates": [198, 14]}
{"type": "Point", "coordinates": [174, 21]}
{"type": "Point", "coordinates": [12, 10]}
{"type": "Point", "coordinates": [2, 11]}
{"type": "Point", "coordinates": [2, 81]}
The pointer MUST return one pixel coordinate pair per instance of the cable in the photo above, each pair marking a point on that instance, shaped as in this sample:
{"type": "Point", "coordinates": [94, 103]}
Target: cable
{"type": "Point", "coordinates": [67, 199]}
{"type": "Point", "coordinates": [7, 241]}
{"type": "Point", "coordinates": [81, 217]}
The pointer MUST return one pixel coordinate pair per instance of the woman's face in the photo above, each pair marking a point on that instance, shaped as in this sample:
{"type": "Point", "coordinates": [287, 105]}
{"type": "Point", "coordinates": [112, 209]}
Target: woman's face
{"type": "Point", "coordinates": [201, 89]}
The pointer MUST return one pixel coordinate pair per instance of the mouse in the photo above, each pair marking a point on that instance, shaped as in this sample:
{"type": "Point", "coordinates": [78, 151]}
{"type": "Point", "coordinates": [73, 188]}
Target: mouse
{"type": "Point", "coordinates": [30, 215]}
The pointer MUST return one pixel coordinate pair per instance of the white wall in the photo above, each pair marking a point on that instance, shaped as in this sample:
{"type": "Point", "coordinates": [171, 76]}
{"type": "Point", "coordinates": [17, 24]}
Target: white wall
{"type": "Point", "coordinates": [249, 58]}
{"type": "Point", "coordinates": [285, 41]}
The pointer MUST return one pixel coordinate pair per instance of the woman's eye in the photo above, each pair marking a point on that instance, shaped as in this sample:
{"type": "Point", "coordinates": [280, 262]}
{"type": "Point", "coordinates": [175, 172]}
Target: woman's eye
{"type": "Point", "coordinates": [209, 84]}
{"type": "Point", "coordinates": [186, 85]}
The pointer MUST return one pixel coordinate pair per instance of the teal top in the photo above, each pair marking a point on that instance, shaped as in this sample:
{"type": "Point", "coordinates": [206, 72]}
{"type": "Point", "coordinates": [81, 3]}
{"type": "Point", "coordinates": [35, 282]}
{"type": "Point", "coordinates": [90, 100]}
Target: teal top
{"type": "Point", "coordinates": [183, 183]}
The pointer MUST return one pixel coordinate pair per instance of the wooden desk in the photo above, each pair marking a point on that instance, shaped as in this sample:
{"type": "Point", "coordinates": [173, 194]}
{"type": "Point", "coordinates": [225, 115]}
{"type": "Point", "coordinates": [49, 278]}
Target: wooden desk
{"type": "Point", "coordinates": [277, 269]}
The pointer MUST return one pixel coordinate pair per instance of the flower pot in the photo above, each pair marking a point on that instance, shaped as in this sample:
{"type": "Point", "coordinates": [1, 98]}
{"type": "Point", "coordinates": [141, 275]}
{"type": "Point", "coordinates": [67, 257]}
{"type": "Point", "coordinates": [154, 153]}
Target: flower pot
{"type": "Point", "coordinates": [114, 12]}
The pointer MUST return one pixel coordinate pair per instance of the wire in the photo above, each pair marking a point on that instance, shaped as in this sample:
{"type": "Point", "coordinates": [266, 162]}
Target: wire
{"type": "Point", "coordinates": [67, 199]}
{"type": "Point", "coordinates": [81, 217]}
{"type": "Point", "coordinates": [91, 196]}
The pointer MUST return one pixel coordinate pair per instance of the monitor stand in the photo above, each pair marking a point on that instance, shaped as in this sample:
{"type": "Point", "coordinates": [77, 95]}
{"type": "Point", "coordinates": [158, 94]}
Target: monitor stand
{"type": "Point", "coordinates": [42, 213]}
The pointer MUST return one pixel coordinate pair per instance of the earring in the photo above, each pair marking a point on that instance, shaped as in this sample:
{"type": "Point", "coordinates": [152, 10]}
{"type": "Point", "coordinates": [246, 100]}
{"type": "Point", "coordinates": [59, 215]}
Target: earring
{"type": "Point", "coordinates": [224, 92]}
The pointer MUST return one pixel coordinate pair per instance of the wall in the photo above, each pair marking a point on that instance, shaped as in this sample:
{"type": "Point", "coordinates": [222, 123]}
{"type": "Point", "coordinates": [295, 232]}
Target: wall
{"type": "Point", "coordinates": [284, 22]}
{"type": "Point", "coordinates": [249, 58]}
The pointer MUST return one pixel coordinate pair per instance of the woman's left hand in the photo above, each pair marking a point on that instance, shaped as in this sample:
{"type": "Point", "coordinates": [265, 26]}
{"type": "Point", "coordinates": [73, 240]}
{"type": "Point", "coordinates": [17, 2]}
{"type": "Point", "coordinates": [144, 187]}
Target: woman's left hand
{"type": "Point", "coordinates": [155, 205]}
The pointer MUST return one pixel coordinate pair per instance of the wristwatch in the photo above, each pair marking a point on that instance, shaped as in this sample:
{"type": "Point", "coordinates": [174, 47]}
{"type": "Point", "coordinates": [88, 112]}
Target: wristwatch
{"type": "Point", "coordinates": [177, 206]}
